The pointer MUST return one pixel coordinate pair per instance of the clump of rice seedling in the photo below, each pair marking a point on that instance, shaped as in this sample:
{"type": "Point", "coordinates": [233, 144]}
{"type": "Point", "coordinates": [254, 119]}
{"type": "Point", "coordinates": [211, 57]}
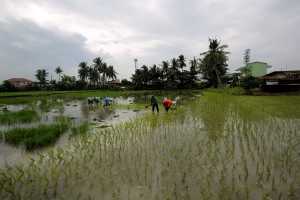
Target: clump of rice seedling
{"type": "Point", "coordinates": [22, 116]}
{"type": "Point", "coordinates": [211, 149]}
{"type": "Point", "coordinates": [62, 119]}
{"type": "Point", "coordinates": [35, 137]}
{"type": "Point", "coordinates": [81, 129]}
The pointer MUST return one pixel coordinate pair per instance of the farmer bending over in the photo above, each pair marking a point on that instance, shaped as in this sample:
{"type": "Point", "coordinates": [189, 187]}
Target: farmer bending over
{"type": "Point", "coordinates": [106, 102]}
{"type": "Point", "coordinates": [90, 101]}
{"type": "Point", "coordinates": [167, 104]}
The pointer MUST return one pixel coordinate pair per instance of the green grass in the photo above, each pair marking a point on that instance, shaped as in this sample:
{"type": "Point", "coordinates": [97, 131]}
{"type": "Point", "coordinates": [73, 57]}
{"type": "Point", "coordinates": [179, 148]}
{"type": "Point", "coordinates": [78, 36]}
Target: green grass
{"type": "Point", "coordinates": [19, 117]}
{"type": "Point", "coordinates": [226, 90]}
{"type": "Point", "coordinates": [39, 136]}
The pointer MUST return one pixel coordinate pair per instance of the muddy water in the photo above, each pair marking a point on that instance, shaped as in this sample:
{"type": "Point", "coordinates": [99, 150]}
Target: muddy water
{"type": "Point", "coordinates": [79, 110]}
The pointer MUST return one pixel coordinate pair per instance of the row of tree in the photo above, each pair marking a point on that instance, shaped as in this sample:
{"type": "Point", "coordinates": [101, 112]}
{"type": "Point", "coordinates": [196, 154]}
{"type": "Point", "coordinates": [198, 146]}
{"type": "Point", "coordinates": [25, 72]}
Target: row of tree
{"type": "Point", "coordinates": [92, 76]}
{"type": "Point", "coordinates": [210, 68]}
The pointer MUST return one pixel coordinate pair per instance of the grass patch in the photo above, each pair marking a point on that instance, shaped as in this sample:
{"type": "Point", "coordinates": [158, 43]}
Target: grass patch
{"type": "Point", "coordinates": [225, 90]}
{"type": "Point", "coordinates": [35, 137]}
{"type": "Point", "coordinates": [81, 129]}
{"type": "Point", "coordinates": [23, 116]}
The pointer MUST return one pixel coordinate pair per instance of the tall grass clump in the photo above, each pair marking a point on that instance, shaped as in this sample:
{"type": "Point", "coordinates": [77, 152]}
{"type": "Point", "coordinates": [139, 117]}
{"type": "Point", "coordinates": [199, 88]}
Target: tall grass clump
{"type": "Point", "coordinates": [35, 137]}
{"type": "Point", "coordinates": [22, 116]}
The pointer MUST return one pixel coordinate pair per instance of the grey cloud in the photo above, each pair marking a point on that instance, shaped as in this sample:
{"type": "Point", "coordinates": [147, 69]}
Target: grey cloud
{"type": "Point", "coordinates": [28, 47]}
{"type": "Point", "coordinates": [168, 28]}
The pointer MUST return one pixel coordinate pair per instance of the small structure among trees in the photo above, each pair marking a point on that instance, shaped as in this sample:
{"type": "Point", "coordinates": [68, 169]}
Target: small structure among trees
{"type": "Point", "coordinates": [19, 82]}
{"type": "Point", "coordinates": [281, 81]}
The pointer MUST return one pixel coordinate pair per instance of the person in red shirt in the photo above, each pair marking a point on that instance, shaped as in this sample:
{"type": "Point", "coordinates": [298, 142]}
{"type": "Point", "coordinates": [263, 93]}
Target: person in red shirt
{"type": "Point", "coordinates": [167, 104]}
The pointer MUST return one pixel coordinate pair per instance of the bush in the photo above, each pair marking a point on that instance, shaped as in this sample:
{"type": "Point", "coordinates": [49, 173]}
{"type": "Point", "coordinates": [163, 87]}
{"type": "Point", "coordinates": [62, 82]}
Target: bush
{"type": "Point", "coordinates": [249, 82]}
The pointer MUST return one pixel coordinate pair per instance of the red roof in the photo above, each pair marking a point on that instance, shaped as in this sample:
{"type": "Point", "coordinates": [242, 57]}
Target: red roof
{"type": "Point", "coordinates": [16, 80]}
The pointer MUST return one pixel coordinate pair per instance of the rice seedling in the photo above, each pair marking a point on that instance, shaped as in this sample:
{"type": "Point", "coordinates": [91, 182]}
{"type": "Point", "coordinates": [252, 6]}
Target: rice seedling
{"type": "Point", "coordinates": [216, 147]}
{"type": "Point", "coordinates": [19, 117]}
{"type": "Point", "coordinates": [34, 137]}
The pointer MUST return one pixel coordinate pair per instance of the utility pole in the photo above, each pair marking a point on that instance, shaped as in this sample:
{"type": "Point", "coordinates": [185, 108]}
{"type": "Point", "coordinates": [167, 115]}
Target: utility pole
{"type": "Point", "coordinates": [135, 63]}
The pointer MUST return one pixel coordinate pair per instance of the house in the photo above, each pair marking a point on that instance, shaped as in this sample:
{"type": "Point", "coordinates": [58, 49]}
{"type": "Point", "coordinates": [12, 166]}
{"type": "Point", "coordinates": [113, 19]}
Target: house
{"type": "Point", "coordinates": [19, 82]}
{"type": "Point", "coordinates": [256, 69]}
{"type": "Point", "coordinates": [281, 81]}
{"type": "Point", "coordinates": [114, 83]}
{"type": "Point", "coordinates": [233, 79]}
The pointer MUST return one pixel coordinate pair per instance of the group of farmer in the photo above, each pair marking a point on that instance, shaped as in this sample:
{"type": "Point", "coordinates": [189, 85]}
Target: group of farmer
{"type": "Point", "coordinates": [97, 100]}
{"type": "Point", "coordinates": [167, 103]}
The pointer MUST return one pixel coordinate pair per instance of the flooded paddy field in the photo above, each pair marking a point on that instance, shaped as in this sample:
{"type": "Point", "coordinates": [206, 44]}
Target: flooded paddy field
{"type": "Point", "coordinates": [75, 112]}
{"type": "Point", "coordinates": [214, 147]}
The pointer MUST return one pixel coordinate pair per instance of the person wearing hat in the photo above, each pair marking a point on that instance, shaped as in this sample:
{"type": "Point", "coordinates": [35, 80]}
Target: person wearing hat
{"type": "Point", "coordinates": [154, 104]}
{"type": "Point", "coordinates": [106, 102]}
{"type": "Point", "coordinates": [167, 104]}
{"type": "Point", "coordinates": [90, 101]}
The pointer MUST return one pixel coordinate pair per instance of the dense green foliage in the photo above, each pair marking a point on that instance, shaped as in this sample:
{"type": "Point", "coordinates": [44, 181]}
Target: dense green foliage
{"type": "Point", "coordinates": [249, 82]}
{"type": "Point", "coordinates": [168, 75]}
{"type": "Point", "coordinates": [213, 65]}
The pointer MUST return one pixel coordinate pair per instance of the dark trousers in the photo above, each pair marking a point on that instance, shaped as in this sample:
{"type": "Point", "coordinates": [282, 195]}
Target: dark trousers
{"type": "Point", "coordinates": [166, 107]}
{"type": "Point", "coordinates": [155, 105]}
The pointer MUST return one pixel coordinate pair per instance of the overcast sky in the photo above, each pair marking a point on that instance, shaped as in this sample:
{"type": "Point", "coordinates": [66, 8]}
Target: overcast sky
{"type": "Point", "coordinates": [44, 34]}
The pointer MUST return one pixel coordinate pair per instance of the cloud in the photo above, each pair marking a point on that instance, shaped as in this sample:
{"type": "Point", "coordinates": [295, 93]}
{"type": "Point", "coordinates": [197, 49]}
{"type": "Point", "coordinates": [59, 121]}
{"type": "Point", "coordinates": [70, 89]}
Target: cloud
{"type": "Point", "coordinates": [55, 33]}
{"type": "Point", "coordinates": [27, 47]}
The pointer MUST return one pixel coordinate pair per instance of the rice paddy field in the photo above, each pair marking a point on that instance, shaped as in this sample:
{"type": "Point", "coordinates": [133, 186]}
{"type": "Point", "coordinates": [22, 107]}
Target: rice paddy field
{"type": "Point", "coordinates": [216, 146]}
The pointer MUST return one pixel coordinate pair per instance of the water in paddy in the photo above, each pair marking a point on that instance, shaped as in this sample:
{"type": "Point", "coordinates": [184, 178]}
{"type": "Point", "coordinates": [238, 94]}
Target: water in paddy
{"type": "Point", "coordinates": [78, 110]}
{"type": "Point", "coordinates": [121, 110]}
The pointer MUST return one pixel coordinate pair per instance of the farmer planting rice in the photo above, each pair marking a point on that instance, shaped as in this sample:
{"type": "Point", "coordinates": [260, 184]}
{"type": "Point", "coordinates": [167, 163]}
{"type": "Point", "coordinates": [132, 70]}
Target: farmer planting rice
{"type": "Point", "coordinates": [154, 103]}
{"type": "Point", "coordinates": [90, 101]}
{"type": "Point", "coordinates": [106, 102]}
{"type": "Point", "coordinates": [167, 104]}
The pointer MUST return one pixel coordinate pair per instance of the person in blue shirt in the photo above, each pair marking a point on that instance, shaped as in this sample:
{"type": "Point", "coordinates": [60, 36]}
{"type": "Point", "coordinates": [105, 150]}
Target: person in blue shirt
{"type": "Point", "coordinates": [106, 102]}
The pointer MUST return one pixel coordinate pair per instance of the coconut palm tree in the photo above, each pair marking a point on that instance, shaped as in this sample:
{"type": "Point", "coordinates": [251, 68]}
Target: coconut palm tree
{"type": "Point", "coordinates": [193, 72]}
{"type": "Point", "coordinates": [103, 70]}
{"type": "Point", "coordinates": [137, 77]}
{"type": "Point", "coordinates": [42, 75]}
{"type": "Point", "coordinates": [93, 75]}
{"type": "Point", "coordinates": [98, 64]}
{"type": "Point", "coordinates": [181, 65]}
{"type": "Point", "coordinates": [214, 61]}
{"type": "Point", "coordinates": [111, 73]}
{"type": "Point", "coordinates": [173, 71]}
{"type": "Point", "coordinates": [154, 74]}
{"type": "Point", "coordinates": [145, 74]}
{"type": "Point", "coordinates": [58, 71]}
{"type": "Point", "coordinates": [164, 70]}
{"type": "Point", "coordinates": [83, 71]}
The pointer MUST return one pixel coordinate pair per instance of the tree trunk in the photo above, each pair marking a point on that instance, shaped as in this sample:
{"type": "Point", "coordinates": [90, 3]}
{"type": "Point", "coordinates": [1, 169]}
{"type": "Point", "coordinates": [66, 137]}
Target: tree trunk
{"type": "Point", "coordinates": [218, 76]}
